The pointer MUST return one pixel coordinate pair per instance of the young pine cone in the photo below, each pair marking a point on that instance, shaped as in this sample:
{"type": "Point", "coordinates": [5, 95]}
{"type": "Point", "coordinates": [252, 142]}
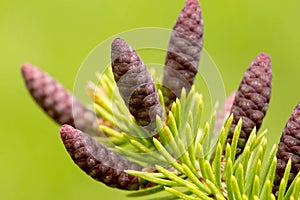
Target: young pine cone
{"type": "Point", "coordinates": [100, 163]}
{"type": "Point", "coordinates": [57, 102]}
{"type": "Point", "coordinates": [135, 84]}
{"type": "Point", "coordinates": [183, 56]}
{"type": "Point", "coordinates": [252, 99]}
{"type": "Point", "coordinates": [289, 148]}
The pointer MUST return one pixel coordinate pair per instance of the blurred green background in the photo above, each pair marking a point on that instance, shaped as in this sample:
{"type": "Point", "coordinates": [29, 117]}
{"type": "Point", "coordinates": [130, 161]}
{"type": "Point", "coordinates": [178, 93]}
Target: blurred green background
{"type": "Point", "coordinates": [57, 35]}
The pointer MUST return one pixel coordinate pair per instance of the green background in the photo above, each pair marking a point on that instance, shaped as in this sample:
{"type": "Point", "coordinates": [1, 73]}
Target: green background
{"type": "Point", "coordinates": [57, 35]}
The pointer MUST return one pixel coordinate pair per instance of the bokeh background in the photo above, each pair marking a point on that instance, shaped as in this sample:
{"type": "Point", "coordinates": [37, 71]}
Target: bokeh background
{"type": "Point", "coordinates": [58, 35]}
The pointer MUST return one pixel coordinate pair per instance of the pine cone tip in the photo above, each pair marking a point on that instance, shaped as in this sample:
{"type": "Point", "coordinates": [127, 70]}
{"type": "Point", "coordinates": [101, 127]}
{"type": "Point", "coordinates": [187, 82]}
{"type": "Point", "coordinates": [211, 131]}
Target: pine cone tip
{"type": "Point", "coordinates": [67, 130]}
{"type": "Point", "coordinates": [27, 71]}
{"type": "Point", "coordinates": [25, 68]}
{"type": "Point", "coordinates": [119, 46]}
{"type": "Point", "coordinates": [192, 2]}
{"type": "Point", "coordinates": [262, 59]}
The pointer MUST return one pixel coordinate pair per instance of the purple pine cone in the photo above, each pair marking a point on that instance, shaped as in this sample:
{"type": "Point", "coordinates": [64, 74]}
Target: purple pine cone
{"type": "Point", "coordinates": [57, 102]}
{"type": "Point", "coordinates": [185, 46]}
{"type": "Point", "coordinates": [135, 84]}
{"type": "Point", "coordinates": [289, 147]}
{"type": "Point", "coordinates": [100, 163]}
{"type": "Point", "coordinates": [252, 99]}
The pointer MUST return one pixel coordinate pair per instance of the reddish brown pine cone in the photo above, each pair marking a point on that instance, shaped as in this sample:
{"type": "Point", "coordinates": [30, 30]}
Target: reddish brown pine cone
{"type": "Point", "coordinates": [252, 99]}
{"type": "Point", "coordinates": [57, 102]}
{"type": "Point", "coordinates": [135, 84]}
{"type": "Point", "coordinates": [183, 56]}
{"type": "Point", "coordinates": [100, 163]}
{"type": "Point", "coordinates": [289, 148]}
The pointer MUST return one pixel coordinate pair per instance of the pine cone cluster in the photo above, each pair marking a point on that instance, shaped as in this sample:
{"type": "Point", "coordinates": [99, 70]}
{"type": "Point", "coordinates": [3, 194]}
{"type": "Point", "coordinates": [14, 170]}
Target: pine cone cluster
{"type": "Point", "coordinates": [175, 139]}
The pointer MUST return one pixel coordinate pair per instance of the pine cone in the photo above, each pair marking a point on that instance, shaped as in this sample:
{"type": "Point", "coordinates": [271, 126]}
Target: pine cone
{"type": "Point", "coordinates": [252, 99]}
{"type": "Point", "coordinates": [289, 147]}
{"type": "Point", "coordinates": [183, 56]}
{"type": "Point", "coordinates": [100, 163]}
{"type": "Point", "coordinates": [57, 102]}
{"type": "Point", "coordinates": [135, 84]}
